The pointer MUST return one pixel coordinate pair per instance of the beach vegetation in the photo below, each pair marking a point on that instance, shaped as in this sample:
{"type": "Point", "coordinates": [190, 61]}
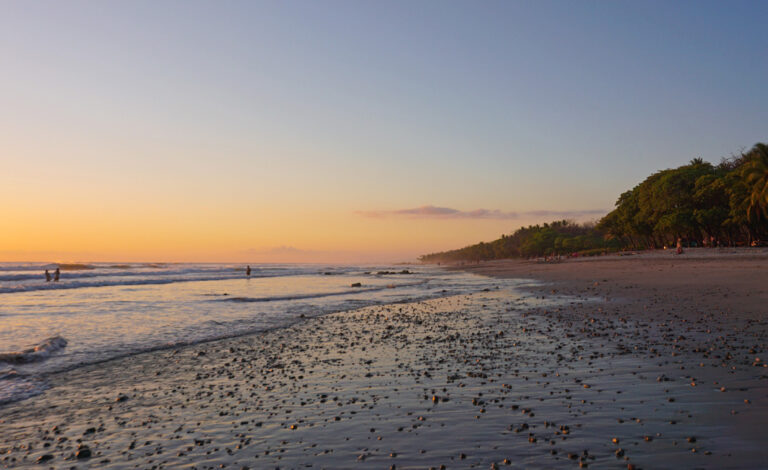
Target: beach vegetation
{"type": "Point", "coordinates": [699, 203]}
{"type": "Point", "coordinates": [563, 237]}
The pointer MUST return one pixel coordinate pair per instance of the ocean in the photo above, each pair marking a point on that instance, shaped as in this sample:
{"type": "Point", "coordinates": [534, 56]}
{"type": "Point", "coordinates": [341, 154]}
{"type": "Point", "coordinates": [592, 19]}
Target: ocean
{"type": "Point", "coordinates": [101, 311]}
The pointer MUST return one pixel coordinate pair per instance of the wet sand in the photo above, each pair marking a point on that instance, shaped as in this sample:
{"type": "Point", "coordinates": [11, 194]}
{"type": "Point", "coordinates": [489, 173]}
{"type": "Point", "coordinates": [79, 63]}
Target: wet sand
{"type": "Point", "coordinates": [668, 372]}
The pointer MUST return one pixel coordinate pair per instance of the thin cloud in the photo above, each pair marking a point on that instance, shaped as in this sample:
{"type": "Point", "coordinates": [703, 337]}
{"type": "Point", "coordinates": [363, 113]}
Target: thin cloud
{"type": "Point", "coordinates": [567, 214]}
{"type": "Point", "coordinates": [434, 212]}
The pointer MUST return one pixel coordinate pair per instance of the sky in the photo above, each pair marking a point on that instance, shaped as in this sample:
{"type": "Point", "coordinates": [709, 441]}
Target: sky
{"type": "Point", "coordinates": [352, 131]}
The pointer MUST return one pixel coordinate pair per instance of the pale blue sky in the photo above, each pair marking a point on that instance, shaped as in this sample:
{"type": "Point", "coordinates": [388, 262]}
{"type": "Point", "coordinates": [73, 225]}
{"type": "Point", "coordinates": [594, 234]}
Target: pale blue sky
{"type": "Point", "coordinates": [361, 106]}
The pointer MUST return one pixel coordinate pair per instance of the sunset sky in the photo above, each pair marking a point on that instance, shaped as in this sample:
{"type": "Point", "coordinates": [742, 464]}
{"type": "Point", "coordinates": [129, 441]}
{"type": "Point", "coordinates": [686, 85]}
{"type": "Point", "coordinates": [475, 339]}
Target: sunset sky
{"type": "Point", "coordinates": [352, 131]}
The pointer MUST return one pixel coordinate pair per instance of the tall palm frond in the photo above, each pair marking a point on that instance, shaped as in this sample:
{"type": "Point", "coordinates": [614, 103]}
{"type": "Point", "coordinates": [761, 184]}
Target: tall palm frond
{"type": "Point", "coordinates": [755, 174]}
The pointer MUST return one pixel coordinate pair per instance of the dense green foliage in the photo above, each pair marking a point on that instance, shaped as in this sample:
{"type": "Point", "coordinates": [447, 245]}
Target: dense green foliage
{"type": "Point", "coordinates": [698, 203]}
{"type": "Point", "coordinates": [561, 237]}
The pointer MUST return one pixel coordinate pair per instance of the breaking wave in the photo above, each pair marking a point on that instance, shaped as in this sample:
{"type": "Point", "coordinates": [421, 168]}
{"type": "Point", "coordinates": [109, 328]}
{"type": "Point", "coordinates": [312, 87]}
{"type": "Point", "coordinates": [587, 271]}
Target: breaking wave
{"type": "Point", "coordinates": [37, 353]}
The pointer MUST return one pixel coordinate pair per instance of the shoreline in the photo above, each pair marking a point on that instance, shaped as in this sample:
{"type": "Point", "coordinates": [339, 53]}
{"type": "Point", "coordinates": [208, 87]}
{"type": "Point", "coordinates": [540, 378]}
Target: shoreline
{"type": "Point", "coordinates": [105, 329]}
{"type": "Point", "coordinates": [541, 377]}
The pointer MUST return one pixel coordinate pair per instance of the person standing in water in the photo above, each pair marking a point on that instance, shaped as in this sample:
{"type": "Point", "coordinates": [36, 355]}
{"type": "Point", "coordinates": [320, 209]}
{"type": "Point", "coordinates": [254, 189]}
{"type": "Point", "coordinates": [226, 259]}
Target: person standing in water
{"type": "Point", "coordinates": [56, 275]}
{"type": "Point", "coordinates": [248, 270]}
{"type": "Point", "coordinates": [47, 276]}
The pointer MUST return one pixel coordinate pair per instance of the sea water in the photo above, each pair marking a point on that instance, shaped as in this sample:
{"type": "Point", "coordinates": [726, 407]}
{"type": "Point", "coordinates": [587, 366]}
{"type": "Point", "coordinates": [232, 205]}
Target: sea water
{"type": "Point", "coordinates": [101, 311]}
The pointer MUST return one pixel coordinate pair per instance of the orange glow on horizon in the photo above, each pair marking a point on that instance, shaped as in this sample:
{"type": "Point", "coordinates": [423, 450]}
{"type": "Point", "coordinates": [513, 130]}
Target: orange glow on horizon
{"type": "Point", "coordinates": [177, 234]}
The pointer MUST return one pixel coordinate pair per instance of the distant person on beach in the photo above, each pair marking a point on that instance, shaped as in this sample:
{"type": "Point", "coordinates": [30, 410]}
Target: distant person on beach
{"type": "Point", "coordinates": [56, 275]}
{"type": "Point", "coordinates": [47, 276]}
{"type": "Point", "coordinates": [248, 270]}
{"type": "Point", "coordinates": [679, 246]}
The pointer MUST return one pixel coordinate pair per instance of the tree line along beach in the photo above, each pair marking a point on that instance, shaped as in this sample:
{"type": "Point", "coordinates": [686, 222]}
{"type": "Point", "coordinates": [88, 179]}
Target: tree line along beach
{"type": "Point", "coordinates": [695, 205]}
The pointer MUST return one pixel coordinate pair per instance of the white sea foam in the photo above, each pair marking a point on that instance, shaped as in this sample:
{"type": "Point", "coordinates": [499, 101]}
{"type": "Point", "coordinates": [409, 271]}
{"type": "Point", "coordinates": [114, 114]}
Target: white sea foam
{"type": "Point", "coordinates": [106, 311]}
{"type": "Point", "coordinates": [28, 277]}
{"type": "Point", "coordinates": [14, 387]}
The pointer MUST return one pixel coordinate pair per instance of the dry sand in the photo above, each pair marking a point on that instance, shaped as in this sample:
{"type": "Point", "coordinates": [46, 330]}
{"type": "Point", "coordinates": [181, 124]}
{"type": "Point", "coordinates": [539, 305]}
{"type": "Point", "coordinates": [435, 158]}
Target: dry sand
{"type": "Point", "coordinates": [663, 374]}
{"type": "Point", "coordinates": [732, 280]}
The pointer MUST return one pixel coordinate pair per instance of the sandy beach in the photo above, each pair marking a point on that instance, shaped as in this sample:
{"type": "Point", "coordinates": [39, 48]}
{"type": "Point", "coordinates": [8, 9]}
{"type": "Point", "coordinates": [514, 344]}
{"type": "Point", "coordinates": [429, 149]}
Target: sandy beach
{"type": "Point", "coordinates": [724, 279]}
{"type": "Point", "coordinates": [642, 361]}
{"type": "Point", "coordinates": [399, 235]}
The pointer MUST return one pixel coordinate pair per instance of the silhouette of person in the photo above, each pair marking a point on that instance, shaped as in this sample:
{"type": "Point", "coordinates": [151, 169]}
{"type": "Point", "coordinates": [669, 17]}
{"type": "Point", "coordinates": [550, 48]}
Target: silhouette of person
{"type": "Point", "coordinates": [248, 270]}
{"type": "Point", "coordinates": [47, 276]}
{"type": "Point", "coordinates": [56, 275]}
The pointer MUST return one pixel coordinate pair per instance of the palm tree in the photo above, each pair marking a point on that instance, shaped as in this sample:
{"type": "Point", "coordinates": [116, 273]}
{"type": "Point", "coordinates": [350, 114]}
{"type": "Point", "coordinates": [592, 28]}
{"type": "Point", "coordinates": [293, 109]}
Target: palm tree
{"type": "Point", "coordinates": [755, 174]}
